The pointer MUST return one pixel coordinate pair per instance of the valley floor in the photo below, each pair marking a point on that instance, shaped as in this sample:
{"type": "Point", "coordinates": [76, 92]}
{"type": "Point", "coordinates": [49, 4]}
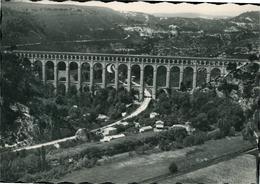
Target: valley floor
{"type": "Point", "coordinates": [240, 170]}
{"type": "Point", "coordinates": [142, 167]}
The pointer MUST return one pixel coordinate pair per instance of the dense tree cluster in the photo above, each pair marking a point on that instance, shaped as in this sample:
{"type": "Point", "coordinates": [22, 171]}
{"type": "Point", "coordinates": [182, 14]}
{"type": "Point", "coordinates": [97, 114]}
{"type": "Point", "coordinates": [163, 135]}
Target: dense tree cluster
{"type": "Point", "coordinates": [204, 109]}
{"type": "Point", "coordinates": [55, 116]}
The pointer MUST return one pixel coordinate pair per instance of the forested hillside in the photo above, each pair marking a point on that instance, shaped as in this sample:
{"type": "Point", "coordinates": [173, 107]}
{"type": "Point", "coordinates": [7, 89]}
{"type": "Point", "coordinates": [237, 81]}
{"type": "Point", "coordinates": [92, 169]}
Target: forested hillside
{"type": "Point", "coordinates": [31, 113]}
{"type": "Point", "coordinates": [95, 29]}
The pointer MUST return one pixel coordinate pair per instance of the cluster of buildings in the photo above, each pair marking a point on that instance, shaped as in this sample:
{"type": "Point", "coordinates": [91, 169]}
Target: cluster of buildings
{"type": "Point", "coordinates": [111, 133]}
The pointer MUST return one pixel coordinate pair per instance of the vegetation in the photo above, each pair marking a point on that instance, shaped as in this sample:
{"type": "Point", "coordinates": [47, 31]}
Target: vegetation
{"type": "Point", "coordinates": [105, 30]}
{"type": "Point", "coordinates": [173, 167]}
{"type": "Point", "coordinates": [51, 117]}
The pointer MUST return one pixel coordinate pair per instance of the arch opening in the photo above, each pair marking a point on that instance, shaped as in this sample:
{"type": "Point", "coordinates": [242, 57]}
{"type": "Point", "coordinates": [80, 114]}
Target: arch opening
{"type": "Point", "coordinates": [73, 72]}
{"type": "Point", "coordinates": [215, 73]}
{"type": "Point", "coordinates": [161, 76]}
{"type": "Point", "coordinates": [148, 75]}
{"type": "Point", "coordinates": [175, 77]}
{"type": "Point", "coordinates": [38, 69]}
{"type": "Point", "coordinates": [97, 72]}
{"type": "Point", "coordinates": [85, 72]}
{"type": "Point", "coordinates": [135, 74]}
{"type": "Point", "coordinates": [26, 63]}
{"type": "Point", "coordinates": [61, 71]}
{"type": "Point", "coordinates": [110, 74]}
{"type": "Point", "coordinates": [201, 79]}
{"type": "Point", "coordinates": [188, 77]}
{"type": "Point", "coordinates": [122, 74]}
{"type": "Point", "coordinates": [49, 70]}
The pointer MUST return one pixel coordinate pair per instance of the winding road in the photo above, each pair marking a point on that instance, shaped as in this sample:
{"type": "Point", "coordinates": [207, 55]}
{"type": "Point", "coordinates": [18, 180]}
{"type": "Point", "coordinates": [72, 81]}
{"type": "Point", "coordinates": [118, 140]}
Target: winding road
{"type": "Point", "coordinates": [139, 110]}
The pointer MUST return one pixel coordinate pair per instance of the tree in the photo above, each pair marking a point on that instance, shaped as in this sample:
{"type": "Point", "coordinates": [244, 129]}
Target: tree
{"type": "Point", "coordinates": [201, 122]}
{"type": "Point", "coordinates": [173, 167]}
{"type": "Point", "coordinates": [18, 86]}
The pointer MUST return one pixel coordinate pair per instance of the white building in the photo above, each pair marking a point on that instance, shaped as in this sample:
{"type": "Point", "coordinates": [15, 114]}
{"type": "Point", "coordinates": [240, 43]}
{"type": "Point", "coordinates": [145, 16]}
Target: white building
{"type": "Point", "coordinates": [145, 129]}
{"type": "Point", "coordinates": [109, 138]}
{"type": "Point", "coordinates": [109, 131]}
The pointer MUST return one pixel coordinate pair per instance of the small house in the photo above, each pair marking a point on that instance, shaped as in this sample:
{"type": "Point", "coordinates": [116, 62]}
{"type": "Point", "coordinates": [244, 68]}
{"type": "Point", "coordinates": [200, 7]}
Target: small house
{"type": "Point", "coordinates": [124, 123]}
{"type": "Point", "coordinates": [153, 115]}
{"type": "Point", "coordinates": [159, 124]}
{"type": "Point", "coordinates": [109, 131]}
{"type": "Point", "coordinates": [109, 138]}
{"type": "Point", "coordinates": [145, 129]}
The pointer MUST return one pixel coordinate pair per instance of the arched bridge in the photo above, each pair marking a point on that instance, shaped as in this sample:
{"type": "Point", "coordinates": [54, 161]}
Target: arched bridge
{"type": "Point", "coordinates": [87, 70]}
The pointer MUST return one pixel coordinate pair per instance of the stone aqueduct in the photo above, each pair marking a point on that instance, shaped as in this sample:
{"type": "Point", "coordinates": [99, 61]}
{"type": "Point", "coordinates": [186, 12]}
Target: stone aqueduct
{"type": "Point", "coordinates": [86, 70]}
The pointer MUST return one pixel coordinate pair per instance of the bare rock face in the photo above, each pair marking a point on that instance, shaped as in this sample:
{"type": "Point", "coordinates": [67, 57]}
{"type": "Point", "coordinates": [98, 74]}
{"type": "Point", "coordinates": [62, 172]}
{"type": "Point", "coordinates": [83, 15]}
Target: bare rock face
{"type": "Point", "coordinates": [82, 134]}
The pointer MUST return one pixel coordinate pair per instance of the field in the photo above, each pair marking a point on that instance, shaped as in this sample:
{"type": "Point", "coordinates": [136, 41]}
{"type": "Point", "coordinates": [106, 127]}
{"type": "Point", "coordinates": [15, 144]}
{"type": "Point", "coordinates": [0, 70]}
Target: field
{"type": "Point", "coordinates": [141, 167]}
{"type": "Point", "coordinates": [239, 170]}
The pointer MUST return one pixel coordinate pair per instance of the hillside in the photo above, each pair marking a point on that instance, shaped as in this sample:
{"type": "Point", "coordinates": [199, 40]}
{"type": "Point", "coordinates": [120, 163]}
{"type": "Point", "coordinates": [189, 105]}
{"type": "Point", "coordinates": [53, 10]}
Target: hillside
{"type": "Point", "coordinates": [30, 23]}
{"type": "Point", "coordinates": [98, 29]}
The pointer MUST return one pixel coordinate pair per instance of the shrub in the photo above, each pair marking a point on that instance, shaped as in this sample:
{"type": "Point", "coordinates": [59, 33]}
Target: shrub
{"type": "Point", "coordinates": [215, 134]}
{"type": "Point", "coordinates": [173, 167]}
{"type": "Point", "coordinates": [189, 141]}
{"type": "Point", "coordinates": [232, 131]}
{"type": "Point", "coordinates": [199, 138]}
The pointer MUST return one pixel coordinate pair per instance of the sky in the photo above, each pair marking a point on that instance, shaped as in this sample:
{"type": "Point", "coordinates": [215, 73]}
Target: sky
{"type": "Point", "coordinates": [164, 7]}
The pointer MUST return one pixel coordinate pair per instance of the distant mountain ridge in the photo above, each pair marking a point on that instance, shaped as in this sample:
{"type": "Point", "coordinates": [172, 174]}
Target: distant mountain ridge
{"type": "Point", "coordinates": [56, 27]}
{"type": "Point", "coordinates": [191, 15]}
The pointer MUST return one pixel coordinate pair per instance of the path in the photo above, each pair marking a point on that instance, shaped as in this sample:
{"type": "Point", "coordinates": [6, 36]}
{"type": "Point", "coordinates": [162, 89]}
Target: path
{"type": "Point", "coordinates": [45, 144]}
{"type": "Point", "coordinates": [140, 109]}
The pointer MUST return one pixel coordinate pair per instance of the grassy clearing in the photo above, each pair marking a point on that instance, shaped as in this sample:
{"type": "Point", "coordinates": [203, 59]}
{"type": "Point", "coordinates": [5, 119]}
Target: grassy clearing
{"type": "Point", "coordinates": [239, 170]}
{"type": "Point", "coordinates": [141, 167]}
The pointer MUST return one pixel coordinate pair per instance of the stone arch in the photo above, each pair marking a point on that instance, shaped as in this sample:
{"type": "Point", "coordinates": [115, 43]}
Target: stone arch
{"type": "Point", "coordinates": [38, 69]}
{"type": "Point", "coordinates": [85, 88]}
{"type": "Point", "coordinates": [135, 74]}
{"type": "Point", "coordinates": [201, 78]}
{"type": "Point", "coordinates": [61, 89]}
{"type": "Point", "coordinates": [49, 70]}
{"type": "Point", "coordinates": [188, 76]}
{"type": "Point", "coordinates": [110, 73]}
{"type": "Point", "coordinates": [175, 76]}
{"type": "Point", "coordinates": [97, 72]}
{"type": "Point", "coordinates": [148, 75]}
{"type": "Point", "coordinates": [161, 76]}
{"type": "Point", "coordinates": [73, 72]}
{"type": "Point", "coordinates": [61, 67]}
{"type": "Point", "coordinates": [26, 63]}
{"type": "Point", "coordinates": [122, 73]}
{"type": "Point", "coordinates": [215, 73]}
{"type": "Point", "coordinates": [85, 72]}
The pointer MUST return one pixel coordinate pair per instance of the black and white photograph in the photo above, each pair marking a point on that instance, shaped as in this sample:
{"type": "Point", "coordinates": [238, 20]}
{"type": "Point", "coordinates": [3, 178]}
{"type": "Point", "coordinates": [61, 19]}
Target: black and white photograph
{"type": "Point", "coordinates": [129, 93]}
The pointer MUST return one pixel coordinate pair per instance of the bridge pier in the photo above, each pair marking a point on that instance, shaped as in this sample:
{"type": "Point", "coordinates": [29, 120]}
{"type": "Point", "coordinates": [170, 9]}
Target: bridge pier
{"type": "Point", "coordinates": [44, 72]}
{"type": "Point", "coordinates": [194, 78]}
{"type": "Point", "coordinates": [67, 78]}
{"type": "Point", "coordinates": [141, 97]}
{"type": "Point", "coordinates": [129, 77]}
{"type": "Point", "coordinates": [168, 76]}
{"type": "Point", "coordinates": [91, 77]}
{"type": "Point", "coordinates": [55, 78]}
{"type": "Point", "coordinates": [154, 82]}
{"type": "Point", "coordinates": [104, 75]}
{"type": "Point", "coordinates": [181, 76]}
{"type": "Point", "coordinates": [116, 76]}
{"type": "Point", "coordinates": [79, 78]}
